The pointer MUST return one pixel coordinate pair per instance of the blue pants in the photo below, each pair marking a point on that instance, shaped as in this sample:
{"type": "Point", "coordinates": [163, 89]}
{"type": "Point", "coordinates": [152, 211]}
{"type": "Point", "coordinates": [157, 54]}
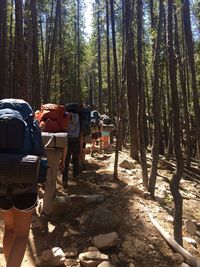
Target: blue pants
{"type": "Point", "coordinates": [74, 153]}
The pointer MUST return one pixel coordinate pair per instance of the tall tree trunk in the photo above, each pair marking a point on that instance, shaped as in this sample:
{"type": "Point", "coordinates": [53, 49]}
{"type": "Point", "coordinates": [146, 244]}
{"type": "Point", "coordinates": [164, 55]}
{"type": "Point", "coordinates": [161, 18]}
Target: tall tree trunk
{"type": "Point", "coordinates": [42, 74]}
{"type": "Point", "coordinates": [99, 58]}
{"type": "Point", "coordinates": [141, 95]}
{"type": "Point", "coordinates": [3, 49]}
{"type": "Point", "coordinates": [184, 94]}
{"type": "Point", "coordinates": [79, 94]}
{"type": "Point", "coordinates": [131, 77]}
{"type": "Point", "coordinates": [169, 141]}
{"type": "Point", "coordinates": [52, 53]}
{"type": "Point", "coordinates": [164, 112]}
{"type": "Point", "coordinates": [152, 14]}
{"type": "Point", "coordinates": [108, 60]}
{"type": "Point", "coordinates": [20, 77]}
{"type": "Point", "coordinates": [123, 83]}
{"type": "Point", "coordinates": [75, 65]}
{"type": "Point", "coordinates": [147, 97]}
{"type": "Point", "coordinates": [61, 57]}
{"type": "Point", "coordinates": [35, 66]}
{"type": "Point", "coordinates": [115, 62]}
{"type": "Point", "coordinates": [174, 184]}
{"type": "Point", "coordinates": [28, 41]}
{"type": "Point", "coordinates": [156, 105]}
{"type": "Point", "coordinates": [10, 64]}
{"type": "Point", "coordinates": [190, 50]}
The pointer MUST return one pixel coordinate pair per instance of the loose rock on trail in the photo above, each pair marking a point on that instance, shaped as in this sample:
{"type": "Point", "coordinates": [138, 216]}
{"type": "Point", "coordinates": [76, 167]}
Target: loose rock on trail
{"type": "Point", "coordinates": [98, 221]}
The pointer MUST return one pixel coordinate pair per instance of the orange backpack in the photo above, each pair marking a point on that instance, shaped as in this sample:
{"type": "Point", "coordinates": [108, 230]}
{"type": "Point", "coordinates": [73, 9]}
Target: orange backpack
{"type": "Point", "coordinates": [52, 118]}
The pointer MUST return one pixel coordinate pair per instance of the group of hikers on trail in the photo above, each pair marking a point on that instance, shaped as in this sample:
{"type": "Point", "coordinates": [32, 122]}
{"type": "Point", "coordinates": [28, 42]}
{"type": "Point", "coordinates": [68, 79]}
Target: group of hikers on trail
{"type": "Point", "coordinates": [31, 144]}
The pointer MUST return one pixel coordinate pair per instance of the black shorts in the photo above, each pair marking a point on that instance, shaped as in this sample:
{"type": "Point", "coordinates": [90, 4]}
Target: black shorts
{"type": "Point", "coordinates": [22, 202]}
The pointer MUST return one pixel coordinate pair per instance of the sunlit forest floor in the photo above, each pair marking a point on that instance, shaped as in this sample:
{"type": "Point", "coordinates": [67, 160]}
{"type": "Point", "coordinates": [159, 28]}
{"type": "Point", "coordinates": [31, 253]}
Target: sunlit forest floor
{"type": "Point", "coordinates": [139, 241]}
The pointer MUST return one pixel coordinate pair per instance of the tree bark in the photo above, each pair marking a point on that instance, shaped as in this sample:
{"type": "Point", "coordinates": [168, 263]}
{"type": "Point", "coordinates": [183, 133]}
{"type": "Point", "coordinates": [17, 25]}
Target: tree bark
{"type": "Point", "coordinates": [52, 51]}
{"type": "Point", "coordinates": [79, 93]}
{"type": "Point", "coordinates": [99, 59]}
{"type": "Point", "coordinates": [20, 75]}
{"type": "Point", "coordinates": [108, 61]}
{"type": "Point", "coordinates": [3, 49]}
{"type": "Point", "coordinates": [175, 182]}
{"type": "Point", "coordinates": [184, 93]}
{"type": "Point", "coordinates": [141, 95]}
{"type": "Point", "coordinates": [50, 58]}
{"type": "Point", "coordinates": [28, 41]}
{"type": "Point", "coordinates": [190, 50]}
{"type": "Point", "coordinates": [118, 102]}
{"type": "Point", "coordinates": [35, 66]}
{"type": "Point", "coordinates": [156, 104]}
{"type": "Point", "coordinates": [131, 78]}
{"type": "Point", "coordinates": [10, 64]}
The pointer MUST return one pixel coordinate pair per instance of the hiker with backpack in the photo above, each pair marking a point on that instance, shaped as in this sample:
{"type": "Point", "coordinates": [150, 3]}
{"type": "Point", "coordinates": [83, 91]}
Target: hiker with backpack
{"type": "Point", "coordinates": [106, 128]}
{"type": "Point", "coordinates": [95, 128]}
{"type": "Point", "coordinates": [53, 121]}
{"type": "Point", "coordinates": [21, 150]}
{"type": "Point", "coordinates": [85, 132]}
{"type": "Point", "coordinates": [73, 151]}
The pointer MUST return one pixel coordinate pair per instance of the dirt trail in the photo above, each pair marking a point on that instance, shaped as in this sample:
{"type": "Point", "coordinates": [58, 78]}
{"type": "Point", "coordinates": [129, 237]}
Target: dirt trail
{"type": "Point", "coordinates": [139, 241]}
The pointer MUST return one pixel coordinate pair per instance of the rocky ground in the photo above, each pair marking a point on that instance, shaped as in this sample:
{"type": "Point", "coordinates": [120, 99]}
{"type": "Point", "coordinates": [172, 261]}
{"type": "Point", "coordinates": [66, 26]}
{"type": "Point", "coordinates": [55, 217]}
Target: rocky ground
{"type": "Point", "coordinates": [99, 219]}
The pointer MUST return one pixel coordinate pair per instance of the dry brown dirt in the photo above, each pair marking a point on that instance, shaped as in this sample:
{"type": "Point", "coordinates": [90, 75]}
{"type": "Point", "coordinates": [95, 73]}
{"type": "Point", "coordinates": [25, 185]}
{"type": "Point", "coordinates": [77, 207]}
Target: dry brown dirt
{"type": "Point", "coordinates": [139, 242]}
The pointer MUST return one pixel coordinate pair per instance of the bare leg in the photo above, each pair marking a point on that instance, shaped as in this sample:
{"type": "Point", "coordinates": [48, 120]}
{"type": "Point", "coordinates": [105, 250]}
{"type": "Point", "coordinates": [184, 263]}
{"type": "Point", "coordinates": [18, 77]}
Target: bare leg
{"type": "Point", "coordinates": [22, 221]}
{"type": "Point", "coordinates": [8, 233]}
{"type": "Point", "coordinates": [106, 142]}
{"type": "Point", "coordinates": [93, 144]}
{"type": "Point", "coordinates": [100, 143]}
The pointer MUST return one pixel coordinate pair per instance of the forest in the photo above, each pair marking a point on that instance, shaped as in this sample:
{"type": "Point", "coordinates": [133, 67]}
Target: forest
{"type": "Point", "coordinates": [140, 65]}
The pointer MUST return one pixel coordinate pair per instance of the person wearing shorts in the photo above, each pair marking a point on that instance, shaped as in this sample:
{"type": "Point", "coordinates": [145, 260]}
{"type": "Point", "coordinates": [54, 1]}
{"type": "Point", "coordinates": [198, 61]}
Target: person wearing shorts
{"type": "Point", "coordinates": [16, 210]}
{"type": "Point", "coordinates": [105, 135]}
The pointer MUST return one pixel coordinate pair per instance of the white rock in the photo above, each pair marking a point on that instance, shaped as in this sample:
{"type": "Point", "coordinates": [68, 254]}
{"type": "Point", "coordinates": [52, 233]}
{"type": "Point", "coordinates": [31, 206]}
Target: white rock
{"type": "Point", "coordinates": [92, 258]}
{"type": "Point", "coordinates": [129, 172]}
{"type": "Point", "coordinates": [184, 265]}
{"type": "Point", "coordinates": [105, 264]}
{"type": "Point", "coordinates": [51, 227]}
{"type": "Point", "coordinates": [127, 164]}
{"type": "Point", "coordinates": [105, 240]}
